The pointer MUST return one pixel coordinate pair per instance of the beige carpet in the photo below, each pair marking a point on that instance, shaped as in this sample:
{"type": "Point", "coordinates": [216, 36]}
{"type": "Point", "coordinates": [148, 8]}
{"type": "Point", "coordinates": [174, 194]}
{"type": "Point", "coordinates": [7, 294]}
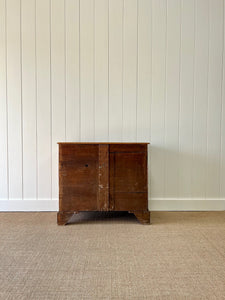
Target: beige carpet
{"type": "Point", "coordinates": [180, 256]}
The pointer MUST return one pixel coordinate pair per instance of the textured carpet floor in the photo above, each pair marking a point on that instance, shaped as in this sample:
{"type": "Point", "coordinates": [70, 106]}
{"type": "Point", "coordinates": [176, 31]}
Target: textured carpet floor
{"type": "Point", "coordinates": [180, 256]}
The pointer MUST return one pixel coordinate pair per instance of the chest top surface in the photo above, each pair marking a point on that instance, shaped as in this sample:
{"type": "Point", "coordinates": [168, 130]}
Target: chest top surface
{"type": "Point", "coordinates": [103, 143]}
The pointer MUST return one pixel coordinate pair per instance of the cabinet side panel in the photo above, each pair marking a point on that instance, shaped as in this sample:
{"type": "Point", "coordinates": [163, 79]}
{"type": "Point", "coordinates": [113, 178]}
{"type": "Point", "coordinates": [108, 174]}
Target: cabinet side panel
{"type": "Point", "coordinates": [60, 179]}
{"type": "Point", "coordinates": [78, 177]}
{"type": "Point", "coordinates": [111, 180]}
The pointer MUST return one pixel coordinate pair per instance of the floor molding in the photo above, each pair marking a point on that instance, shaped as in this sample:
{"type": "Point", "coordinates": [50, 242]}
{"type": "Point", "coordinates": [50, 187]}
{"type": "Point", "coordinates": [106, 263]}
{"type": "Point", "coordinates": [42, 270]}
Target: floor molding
{"type": "Point", "coordinates": [186, 204]}
{"type": "Point", "coordinates": [29, 205]}
{"type": "Point", "coordinates": [154, 205]}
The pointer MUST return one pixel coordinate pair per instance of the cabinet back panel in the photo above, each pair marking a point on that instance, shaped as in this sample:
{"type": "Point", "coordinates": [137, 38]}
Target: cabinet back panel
{"type": "Point", "coordinates": [127, 147]}
{"type": "Point", "coordinates": [130, 172]}
{"type": "Point", "coordinates": [78, 177]}
{"type": "Point", "coordinates": [130, 201]}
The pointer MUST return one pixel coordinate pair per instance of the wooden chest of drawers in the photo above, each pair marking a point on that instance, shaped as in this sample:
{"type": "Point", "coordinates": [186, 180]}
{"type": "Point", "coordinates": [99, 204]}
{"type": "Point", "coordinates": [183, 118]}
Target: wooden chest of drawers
{"type": "Point", "coordinates": [103, 177]}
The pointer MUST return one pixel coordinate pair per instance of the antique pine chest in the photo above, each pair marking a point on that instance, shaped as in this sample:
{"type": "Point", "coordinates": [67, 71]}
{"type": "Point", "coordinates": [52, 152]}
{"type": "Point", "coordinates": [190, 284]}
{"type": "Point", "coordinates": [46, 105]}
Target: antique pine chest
{"type": "Point", "coordinates": [103, 177]}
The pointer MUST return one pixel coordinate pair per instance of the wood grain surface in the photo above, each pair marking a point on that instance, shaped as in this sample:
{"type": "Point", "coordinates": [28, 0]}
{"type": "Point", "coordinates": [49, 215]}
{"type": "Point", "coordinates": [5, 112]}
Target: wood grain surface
{"type": "Point", "coordinates": [103, 177]}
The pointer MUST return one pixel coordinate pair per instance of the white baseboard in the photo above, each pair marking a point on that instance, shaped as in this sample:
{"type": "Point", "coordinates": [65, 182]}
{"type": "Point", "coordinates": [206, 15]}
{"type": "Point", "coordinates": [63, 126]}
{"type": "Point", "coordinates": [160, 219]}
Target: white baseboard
{"type": "Point", "coordinates": [186, 204]}
{"type": "Point", "coordinates": [154, 205]}
{"type": "Point", "coordinates": [29, 205]}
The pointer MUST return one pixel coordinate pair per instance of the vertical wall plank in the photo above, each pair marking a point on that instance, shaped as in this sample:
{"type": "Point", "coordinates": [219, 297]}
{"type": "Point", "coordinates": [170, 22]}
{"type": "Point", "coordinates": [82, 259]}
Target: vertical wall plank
{"type": "Point", "coordinates": [43, 99]}
{"type": "Point", "coordinates": [144, 70]}
{"type": "Point", "coordinates": [101, 70]}
{"type": "Point", "coordinates": [72, 70]}
{"type": "Point", "coordinates": [158, 98]}
{"type": "Point", "coordinates": [14, 99]}
{"type": "Point", "coordinates": [130, 71]}
{"type": "Point", "coordinates": [214, 98]}
{"type": "Point", "coordinates": [29, 98]}
{"type": "Point", "coordinates": [186, 97]}
{"type": "Point", "coordinates": [115, 69]}
{"type": "Point", "coordinates": [57, 85]}
{"type": "Point", "coordinates": [200, 100]}
{"type": "Point", "coordinates": [3, 107]}
{"type": "Point", "coordinates": [172, 104]}
{"type": "Point", "coordinates": [87, 70]}
{"type": "Point", "coordinates": [222, 154]}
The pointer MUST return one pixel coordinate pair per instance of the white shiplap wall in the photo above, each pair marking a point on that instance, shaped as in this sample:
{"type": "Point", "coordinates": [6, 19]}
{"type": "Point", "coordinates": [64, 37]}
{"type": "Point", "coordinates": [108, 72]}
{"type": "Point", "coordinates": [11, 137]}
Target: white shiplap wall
{"type": "Point", "coordinates": [113, 70]}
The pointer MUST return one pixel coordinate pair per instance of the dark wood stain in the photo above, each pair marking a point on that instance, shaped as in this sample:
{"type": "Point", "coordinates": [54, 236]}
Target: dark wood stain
{"type": "Point", "coordinates": [103, 177]}
{"type": "Point", "coordinates": [103, 187]}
